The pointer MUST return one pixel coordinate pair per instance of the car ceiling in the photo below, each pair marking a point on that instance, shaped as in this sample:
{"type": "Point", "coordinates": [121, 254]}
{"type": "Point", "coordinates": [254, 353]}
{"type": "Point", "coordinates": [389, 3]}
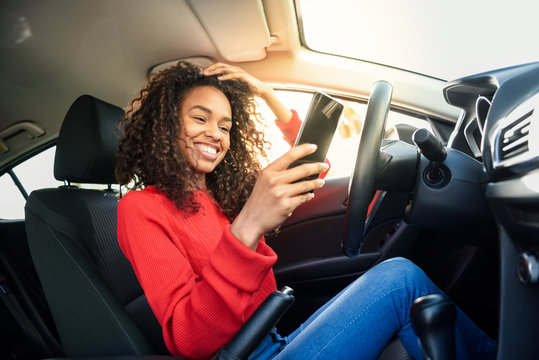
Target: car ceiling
{"type": "Point", "coordinates": [54, 51]}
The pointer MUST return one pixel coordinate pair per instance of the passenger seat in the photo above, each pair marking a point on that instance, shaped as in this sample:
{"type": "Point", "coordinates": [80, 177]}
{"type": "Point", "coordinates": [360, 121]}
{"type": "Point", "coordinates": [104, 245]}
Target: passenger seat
{"type": "Point", "coordinates": [96, 301]}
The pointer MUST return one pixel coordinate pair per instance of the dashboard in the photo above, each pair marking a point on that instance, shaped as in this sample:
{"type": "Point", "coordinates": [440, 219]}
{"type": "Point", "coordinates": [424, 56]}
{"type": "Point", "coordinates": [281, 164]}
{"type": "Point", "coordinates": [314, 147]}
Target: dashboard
{"type": "Point", "coordinates": [499, 124]}
{"type": "Point", "coordinates": [499, 127]}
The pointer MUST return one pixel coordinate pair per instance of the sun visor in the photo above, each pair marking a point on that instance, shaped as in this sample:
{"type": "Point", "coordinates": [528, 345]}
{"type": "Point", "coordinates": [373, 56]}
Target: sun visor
{"type": "Point", "coordinates": [238, 28]}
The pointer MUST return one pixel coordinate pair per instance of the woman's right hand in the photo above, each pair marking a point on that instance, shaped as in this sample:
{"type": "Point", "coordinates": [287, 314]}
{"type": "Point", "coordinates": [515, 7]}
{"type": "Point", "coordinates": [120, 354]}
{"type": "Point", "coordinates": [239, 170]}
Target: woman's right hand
{"type": "Point", "coordinates": [276, 195]}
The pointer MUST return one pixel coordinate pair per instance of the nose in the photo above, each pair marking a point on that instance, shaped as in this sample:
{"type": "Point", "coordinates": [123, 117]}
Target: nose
{"type": "Point", "coordinates": [213, 131]}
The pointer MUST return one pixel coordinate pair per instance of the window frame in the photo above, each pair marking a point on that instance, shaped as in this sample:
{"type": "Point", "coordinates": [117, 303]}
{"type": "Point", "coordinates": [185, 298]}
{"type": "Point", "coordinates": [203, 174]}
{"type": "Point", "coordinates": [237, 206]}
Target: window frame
{"type": "Point", "coordinates": [8, 169]}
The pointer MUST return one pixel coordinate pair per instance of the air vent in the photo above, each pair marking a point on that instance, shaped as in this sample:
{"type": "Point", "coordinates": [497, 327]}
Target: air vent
{"type": "Point", "coordinates": [514, 138]}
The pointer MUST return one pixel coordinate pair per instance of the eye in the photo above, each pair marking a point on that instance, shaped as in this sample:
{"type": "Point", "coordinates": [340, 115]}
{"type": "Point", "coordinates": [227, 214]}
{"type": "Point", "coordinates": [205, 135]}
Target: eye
{"type": "Point", "coordinates": [200, 119]}
{"type": "Point", "coordinates": [225, 129]}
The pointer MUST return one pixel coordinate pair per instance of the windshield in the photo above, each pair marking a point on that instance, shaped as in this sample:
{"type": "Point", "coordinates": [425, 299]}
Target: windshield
{"type": "Point", "coordinates": [442, 39]}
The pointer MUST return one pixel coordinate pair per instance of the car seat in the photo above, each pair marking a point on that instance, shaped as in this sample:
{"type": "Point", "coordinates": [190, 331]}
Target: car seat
{"type": "Point", "coordinates": [96, 301]}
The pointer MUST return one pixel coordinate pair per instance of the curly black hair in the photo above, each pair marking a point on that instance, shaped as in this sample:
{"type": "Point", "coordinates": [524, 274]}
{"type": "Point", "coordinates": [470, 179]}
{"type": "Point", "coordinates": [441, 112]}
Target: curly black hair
{"type": "Point", "coordinates": [149, 153]}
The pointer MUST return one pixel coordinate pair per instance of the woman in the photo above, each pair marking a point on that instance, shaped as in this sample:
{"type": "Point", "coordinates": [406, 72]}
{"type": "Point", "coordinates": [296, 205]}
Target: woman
{"type": "Point", "coordinates": [195, 232]}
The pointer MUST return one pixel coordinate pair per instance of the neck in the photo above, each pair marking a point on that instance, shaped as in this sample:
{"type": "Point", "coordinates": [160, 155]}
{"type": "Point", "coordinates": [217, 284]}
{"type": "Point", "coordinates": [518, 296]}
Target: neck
{"type": "Point", "coordinates": [199, 182]}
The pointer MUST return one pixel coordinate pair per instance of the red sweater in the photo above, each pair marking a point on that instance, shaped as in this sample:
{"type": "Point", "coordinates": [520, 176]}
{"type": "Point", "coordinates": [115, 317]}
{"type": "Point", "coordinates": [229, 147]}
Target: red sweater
{"type": "Point", "coordinates": [290, 129]}
{"type": "Point", "coordinates": [200, 281]}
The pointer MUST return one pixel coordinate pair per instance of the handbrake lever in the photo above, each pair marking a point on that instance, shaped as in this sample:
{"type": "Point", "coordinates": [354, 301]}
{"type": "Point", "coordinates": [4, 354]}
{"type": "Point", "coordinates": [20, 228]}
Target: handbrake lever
{"type": "Point", "coordinates": [251, 334]}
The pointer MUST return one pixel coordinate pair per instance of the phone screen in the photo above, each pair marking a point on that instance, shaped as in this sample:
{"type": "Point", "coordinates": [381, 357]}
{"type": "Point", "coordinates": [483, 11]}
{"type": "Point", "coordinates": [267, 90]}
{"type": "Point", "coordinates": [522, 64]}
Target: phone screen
{"type": "Point", "coordinates": [319, 127]}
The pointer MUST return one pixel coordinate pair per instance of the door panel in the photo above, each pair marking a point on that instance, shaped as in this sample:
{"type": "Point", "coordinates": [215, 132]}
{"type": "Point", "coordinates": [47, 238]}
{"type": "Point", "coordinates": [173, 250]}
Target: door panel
{"type": "Point", "coordinates": [314, 230]}
{"type": "Point", "coordinates": [310, 256]}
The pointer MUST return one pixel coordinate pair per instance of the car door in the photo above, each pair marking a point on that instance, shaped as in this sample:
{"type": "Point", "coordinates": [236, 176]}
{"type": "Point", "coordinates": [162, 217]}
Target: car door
{"type": "Point", "coordinates": [28, 329]}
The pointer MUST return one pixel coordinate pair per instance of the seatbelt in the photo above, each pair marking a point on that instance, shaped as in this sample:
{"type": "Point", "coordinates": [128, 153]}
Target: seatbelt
{"type": "Point", "coordinates": [26, 325]}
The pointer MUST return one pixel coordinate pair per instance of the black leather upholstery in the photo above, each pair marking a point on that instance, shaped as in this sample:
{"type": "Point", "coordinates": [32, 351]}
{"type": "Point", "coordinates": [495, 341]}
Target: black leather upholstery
{"type": "Point", "coordinates": [97, 303]}
{"type": "Point", "coordinates": [394, 350]}
{"type": "Point", "coordinates": [87, 143]}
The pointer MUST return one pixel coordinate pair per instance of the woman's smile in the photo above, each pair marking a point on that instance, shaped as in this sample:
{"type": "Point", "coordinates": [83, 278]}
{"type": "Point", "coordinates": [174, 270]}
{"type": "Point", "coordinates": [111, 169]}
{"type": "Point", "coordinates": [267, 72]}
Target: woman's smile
{"type": "Point", "coordinates": [207, 151]}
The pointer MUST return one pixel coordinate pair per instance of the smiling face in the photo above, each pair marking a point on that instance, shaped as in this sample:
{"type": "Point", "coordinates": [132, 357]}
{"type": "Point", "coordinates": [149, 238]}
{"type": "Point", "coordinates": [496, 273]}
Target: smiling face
{"type": "Point", "coordinates": [205, 136]}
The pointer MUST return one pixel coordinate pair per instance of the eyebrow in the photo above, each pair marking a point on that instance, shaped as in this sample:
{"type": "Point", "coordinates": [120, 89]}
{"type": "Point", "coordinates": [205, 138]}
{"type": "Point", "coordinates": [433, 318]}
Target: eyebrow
{"type": "Point", "coordinates": [205, 109]}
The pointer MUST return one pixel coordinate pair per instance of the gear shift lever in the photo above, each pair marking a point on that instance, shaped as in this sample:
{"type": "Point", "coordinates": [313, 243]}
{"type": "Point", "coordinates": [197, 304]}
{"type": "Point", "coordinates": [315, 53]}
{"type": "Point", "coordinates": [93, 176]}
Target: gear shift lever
{"type": "Point", "coordinates": [433, 320]}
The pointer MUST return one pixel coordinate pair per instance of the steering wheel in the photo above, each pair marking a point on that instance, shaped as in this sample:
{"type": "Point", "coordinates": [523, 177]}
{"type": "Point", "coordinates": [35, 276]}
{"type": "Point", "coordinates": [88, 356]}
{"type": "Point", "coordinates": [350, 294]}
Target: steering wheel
{"type": "Point", "coordinates": [361, 186]}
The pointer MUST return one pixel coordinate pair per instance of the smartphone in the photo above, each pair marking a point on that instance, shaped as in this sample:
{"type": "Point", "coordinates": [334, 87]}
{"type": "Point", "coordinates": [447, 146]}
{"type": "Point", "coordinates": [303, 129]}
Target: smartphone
{"type": "Point", "coordinates": [318, 128]}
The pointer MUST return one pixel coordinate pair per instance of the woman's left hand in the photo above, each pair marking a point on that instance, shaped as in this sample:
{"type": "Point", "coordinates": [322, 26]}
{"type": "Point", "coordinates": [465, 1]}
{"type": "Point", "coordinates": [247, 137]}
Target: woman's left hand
{"type": "Point", "coordinates": [259, 88]}
{"type": "Point", "coordinates": [228, 72]}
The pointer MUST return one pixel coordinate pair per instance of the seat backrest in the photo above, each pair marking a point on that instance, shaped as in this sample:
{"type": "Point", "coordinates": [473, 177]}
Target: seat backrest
{"type": "Point", "coordinates": [96, 301]}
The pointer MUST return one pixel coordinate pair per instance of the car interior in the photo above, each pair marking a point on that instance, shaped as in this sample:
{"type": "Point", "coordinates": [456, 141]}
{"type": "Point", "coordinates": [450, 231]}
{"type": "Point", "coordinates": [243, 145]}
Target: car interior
{"type": "Point", "coordinates": [442, 171]}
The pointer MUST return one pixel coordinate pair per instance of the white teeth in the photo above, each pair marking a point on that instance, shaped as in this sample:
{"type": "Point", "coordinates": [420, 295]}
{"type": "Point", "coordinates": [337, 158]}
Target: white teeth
{"type": "Point", "coordinates": [208, 149]}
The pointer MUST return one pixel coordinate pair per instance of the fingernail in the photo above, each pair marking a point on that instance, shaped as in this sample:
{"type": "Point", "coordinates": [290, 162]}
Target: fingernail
{"type": "Point", "coordinates": [321, 182]}
{"type": "Point", "coordinates": [313, 146]}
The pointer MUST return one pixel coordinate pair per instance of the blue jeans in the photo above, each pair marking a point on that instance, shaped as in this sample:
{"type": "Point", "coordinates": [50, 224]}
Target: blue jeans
{"type": "Point", "coordinates": [361, 319]}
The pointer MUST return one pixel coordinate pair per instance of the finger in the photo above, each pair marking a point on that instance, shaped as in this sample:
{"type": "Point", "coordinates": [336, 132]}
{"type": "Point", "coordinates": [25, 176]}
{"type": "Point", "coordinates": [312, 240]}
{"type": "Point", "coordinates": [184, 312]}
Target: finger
{"type": "Point", "coordinates": [298, 200]}
{"type": "Point", "coordinates": [230, 76]}
{"type": "Point", "coordinates": [303, 187]}
{"type": "Point", "coordinates": [219, 68]}
{"type": "Point", "coordinates": [208, 70]}
{"type": "Point", "coordinates": [302, 171]}
{"type": "Point", "coordinates": [214, 66]}
{"type": "Point", "coordinates": [295, 153]}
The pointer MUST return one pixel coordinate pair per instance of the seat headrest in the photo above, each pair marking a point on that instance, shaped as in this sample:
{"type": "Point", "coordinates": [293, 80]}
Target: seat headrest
{"type": "Point", "coordinates": [87, 144]}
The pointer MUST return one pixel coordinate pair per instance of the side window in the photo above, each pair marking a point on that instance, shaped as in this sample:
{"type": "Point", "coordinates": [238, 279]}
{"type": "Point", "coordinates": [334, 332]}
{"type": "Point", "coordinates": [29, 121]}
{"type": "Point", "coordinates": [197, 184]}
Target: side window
{"type": "Point", "coordinates": [12, 205]}
{"type": "Point", "coordinates": [343, 149]}
{"type": "Point", "coordinates": [35, 173]}
{"type": "Point", "coordinates": [296, 100]}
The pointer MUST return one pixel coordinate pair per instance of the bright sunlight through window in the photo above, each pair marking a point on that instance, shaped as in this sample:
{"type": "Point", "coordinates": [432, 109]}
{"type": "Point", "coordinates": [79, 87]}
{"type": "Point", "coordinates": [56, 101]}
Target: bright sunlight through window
{"type": "Point", "coordinates": [444, 39]}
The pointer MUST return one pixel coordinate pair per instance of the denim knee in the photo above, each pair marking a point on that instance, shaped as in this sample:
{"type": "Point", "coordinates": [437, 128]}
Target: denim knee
{"type": "Point", "coordinates": [402, 267]}
{"type": "Point", "coordinates": [399, 270]}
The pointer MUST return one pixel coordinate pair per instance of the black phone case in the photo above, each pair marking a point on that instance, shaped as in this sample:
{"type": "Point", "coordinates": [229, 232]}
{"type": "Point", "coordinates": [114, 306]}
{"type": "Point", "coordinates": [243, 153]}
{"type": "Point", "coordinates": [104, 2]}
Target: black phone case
{"type": "Point", "coordinates": [318, 128]}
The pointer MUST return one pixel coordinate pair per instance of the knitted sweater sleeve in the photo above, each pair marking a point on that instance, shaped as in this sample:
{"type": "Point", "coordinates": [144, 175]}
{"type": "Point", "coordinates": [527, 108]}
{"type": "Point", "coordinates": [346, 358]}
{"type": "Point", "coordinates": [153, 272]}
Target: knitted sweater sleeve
{"type": "Point", "coordinates": [290, 129]}
{"type": "Point", "coordinates": [198, 311]}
